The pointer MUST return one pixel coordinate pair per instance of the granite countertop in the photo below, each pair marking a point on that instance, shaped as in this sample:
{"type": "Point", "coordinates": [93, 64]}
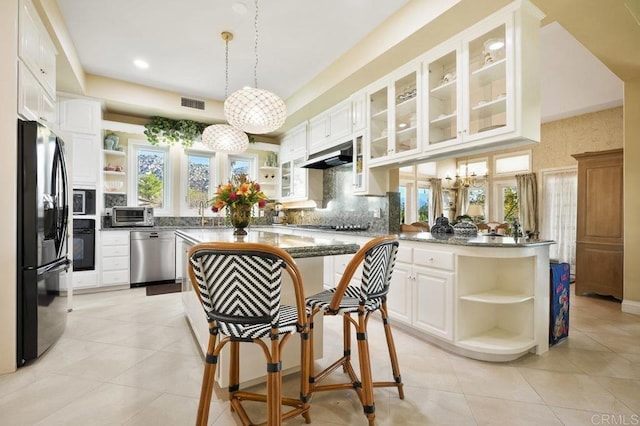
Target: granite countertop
{"type": "Point", "coordinates": [324, 235]}
{"type": "Point", "coordinates": [296, 245]}
{"type": "Point", "coordinates": [476, 241]}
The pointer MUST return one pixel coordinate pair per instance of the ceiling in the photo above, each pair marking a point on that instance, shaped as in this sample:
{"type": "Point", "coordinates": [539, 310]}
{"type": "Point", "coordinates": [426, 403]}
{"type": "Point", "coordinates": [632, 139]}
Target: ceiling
{"type": "Point", "coordinates": [298, 41]}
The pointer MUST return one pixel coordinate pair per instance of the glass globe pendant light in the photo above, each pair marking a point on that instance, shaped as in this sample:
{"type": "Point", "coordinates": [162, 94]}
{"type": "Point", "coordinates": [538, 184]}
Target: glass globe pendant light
{"type": "Point", "coordinates": [223, 137]}
{"type": "Point", "coordinates": [254, 110]}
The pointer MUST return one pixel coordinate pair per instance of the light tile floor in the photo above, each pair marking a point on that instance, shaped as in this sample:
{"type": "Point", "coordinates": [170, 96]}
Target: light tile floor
{"type": "Point", "coordinates": [128, 359]}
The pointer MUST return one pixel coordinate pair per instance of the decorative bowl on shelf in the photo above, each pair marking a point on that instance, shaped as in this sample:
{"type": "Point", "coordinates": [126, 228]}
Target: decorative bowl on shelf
{"type": "Point", "coordinates": [113, 185]}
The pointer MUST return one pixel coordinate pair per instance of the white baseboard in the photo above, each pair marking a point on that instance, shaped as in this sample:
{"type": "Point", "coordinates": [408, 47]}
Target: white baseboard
{"type": "Point", "coordinates": [631, 307]}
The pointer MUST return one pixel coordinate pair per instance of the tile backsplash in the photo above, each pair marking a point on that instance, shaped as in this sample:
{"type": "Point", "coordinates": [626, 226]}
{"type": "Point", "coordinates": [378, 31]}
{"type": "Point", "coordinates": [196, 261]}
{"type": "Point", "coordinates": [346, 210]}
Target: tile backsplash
{"type": "Point", "coordinates": [341, 207]}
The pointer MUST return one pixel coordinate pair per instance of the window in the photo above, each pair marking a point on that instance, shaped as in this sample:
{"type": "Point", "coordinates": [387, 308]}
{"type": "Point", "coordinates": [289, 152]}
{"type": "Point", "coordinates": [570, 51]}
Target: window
{"type": "Point", "coordinates": [198, 182]}
{"type": "Point", "coordinates": [243, 164]}
{"type": "Point", "coordinates": [403, 203]}
{"type": "Point", "coordinates": [512, 163]}
{"type": "Point", "coordinates": [151, 180]}
{"type": "Point", "coordinates": [423, 203]}
{"type": "Point", "coordinates": [507, 201]}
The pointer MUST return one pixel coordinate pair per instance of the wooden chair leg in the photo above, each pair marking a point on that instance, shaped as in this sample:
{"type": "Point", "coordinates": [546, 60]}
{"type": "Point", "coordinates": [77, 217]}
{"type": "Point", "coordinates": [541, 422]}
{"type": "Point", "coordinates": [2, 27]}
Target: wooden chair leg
{"type": "Point", "coordinates": [346, 336]}
{"type": "Point", "coordinates": [368, 403]}
{"type": "Point", "coordinates": [395, 367]}
{"type": "Point", "coordinates": [206, 390]}
{"type": "Point", "coordinates": [306, 362]}
{"type": "Point", "coordinates": [234, 370]}
{"type": "Point", "coordinates": [274, 386]}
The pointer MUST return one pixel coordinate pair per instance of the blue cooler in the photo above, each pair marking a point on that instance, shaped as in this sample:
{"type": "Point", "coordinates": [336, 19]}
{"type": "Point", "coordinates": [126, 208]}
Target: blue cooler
{"type": "Point", "coordinates": [559, 310]}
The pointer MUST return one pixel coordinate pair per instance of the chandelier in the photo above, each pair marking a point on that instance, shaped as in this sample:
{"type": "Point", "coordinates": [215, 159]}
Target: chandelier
{"type": "Point", "coordinates": [466, 178]}
{"type": "Point", "coordinates": [222, 137]}
{"type": "Point", "coordinates": [254, 110]}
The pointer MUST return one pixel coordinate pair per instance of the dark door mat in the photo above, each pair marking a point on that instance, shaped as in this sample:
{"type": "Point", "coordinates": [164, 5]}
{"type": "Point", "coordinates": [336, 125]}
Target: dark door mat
{"type": "Point", "coordinates": [156, 289]}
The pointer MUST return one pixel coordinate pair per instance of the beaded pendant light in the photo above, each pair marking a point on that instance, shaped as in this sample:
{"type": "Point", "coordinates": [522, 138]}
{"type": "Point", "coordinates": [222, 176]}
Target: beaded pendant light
{"type": "Point", "coordinates": [255, 110]}
{"type": "Point", "coordinates": [223, 137]}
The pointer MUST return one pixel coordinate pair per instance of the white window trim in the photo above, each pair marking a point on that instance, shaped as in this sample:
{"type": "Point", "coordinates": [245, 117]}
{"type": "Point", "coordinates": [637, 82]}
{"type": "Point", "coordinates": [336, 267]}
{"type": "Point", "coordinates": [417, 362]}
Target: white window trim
{"type": "Point", "coordinates": [496, 201]}
{"type": "Point", "coordinates": [134, 146]}
{"type": "Point", "coordinates": [184, 178]}
{"type": "Point", "coordinates": [253, 175]}
{"type": "Point", "coordinates": [507, 155]}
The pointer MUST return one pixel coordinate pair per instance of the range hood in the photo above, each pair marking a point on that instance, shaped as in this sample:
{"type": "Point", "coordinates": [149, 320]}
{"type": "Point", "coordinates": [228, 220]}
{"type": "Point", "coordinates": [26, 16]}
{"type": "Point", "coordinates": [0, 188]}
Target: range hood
{"type": "Point", "coordinates": [336, 156]}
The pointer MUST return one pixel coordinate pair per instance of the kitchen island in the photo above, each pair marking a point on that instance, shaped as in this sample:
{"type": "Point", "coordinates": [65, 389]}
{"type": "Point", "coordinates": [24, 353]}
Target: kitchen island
{"type": "Point", "coordinates": [308, 250]}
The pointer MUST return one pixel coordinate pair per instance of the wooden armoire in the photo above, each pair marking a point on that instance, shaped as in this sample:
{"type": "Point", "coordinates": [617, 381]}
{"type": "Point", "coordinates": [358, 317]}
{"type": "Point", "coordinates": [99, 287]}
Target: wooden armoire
{"type": "Point", "coordinates": [600, 227]}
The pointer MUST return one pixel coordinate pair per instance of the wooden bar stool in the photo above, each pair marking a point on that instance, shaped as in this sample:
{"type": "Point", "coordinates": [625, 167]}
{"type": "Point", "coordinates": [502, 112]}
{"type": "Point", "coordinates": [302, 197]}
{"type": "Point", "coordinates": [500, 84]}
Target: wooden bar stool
{"type": "Point", "coordinates": [239, 286]}
{"type": "Point", "coordinates": [378, 259]}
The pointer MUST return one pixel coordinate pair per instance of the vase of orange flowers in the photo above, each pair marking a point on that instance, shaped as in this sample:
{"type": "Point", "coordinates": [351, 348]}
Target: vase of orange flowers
{"type": "Point", "coordinates": [238, 196]}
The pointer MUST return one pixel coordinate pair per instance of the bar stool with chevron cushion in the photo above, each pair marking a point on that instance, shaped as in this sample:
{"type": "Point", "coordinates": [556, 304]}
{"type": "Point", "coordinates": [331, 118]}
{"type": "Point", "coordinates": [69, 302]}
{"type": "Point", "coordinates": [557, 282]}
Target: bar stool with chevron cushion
{"type": "Point", "coordinates": [378, 260]}
{"type": "Point", "coordinates": [239, 286]}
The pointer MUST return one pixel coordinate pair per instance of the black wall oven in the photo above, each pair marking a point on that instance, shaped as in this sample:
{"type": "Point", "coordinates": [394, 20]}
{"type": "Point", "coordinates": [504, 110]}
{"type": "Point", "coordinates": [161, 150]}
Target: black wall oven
{"type": "Point", "coordinates": [84, 244]}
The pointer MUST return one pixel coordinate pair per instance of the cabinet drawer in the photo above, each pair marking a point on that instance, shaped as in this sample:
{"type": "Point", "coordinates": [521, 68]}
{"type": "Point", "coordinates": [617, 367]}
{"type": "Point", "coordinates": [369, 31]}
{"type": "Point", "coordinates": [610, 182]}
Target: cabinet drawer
{"type": "Point", "coordinates": [433, 258]}
{"type": "Point", "coordinates": [405, 254]}
{"type": "Point", "coordinates": [85, 279]}
{"type": "Point", "coordinates": [112, 251]}
{"type": "Point", "coordinates": [111, 238]}
{"type": "Point", "coordinates": [115, 263]}
{"type": "Point", "coordinates": [115, 277]}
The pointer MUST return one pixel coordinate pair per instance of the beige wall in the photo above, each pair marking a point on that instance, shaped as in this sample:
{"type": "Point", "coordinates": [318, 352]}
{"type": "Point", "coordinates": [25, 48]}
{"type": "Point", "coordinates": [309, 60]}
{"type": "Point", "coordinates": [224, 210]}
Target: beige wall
{"type": "Point", "coordinates": [631, 198]}
{"type": "Point", "coordinates": [8, 177]}
{"type": "Point", "coordinates": [597, 131]}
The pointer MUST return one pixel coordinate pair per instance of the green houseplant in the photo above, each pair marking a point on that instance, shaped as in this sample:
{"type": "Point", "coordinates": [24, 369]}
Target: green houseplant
{"type": "Point", "coordinates": [166, 130]}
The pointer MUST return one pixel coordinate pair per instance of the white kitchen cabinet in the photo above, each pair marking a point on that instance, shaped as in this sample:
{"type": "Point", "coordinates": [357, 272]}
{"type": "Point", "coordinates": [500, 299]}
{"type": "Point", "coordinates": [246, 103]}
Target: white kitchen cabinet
{"type": "Point", "coordinates": [33, 102]}
{"type": "Point", "coordinates": [115, 258]}
{"type": "Point", "coordinates": [394, 108]}
{"type": "Point", "coordinates": [367, 180]}
{"type": "Point", "coordinates": [359, 111]}
{"type": "Point", "coordinates": [479, 87]}
{"type": "Point", "coordinates": [36, 50]}
{"type": "Point", "coordinates": [433, 310]}
{"type": "Point", "coordinates": [84, 280]}
{"type": "Point", "coordinates": [84, 161]}
{"type": "Point", "coordinates": [400, 297]}
{"type": "Point", "coordinates": [80, 116]}
{"type": "Point", "coordinates": [294, 143]}
{"type": "Point", "coordinates": [421, 296]}
{"type": "Point", "coordinates": [330, 128]}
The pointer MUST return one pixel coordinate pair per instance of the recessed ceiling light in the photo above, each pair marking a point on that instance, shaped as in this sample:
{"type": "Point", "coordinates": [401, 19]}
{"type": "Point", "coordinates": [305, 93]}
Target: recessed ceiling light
{"type": "Point", "coordinates": [239, 7]}
{"type": "Point", "coordinates": [143, 65]}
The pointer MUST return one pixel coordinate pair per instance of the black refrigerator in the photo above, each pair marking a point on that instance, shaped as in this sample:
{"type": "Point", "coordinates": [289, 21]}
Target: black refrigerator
{"type": "Point", "coordinates": [42, 212]}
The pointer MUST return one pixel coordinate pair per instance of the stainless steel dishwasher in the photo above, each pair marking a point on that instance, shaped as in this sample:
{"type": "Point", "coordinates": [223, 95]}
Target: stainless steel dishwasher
{"type": "Point", "coordinates": [153, 257]}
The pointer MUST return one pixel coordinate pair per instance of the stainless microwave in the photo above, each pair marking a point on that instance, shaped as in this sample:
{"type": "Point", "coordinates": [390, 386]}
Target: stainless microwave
{"type": "Point", "coordinates": [131, 216]}
{"type": "Point", "coordinates": [84, 201]}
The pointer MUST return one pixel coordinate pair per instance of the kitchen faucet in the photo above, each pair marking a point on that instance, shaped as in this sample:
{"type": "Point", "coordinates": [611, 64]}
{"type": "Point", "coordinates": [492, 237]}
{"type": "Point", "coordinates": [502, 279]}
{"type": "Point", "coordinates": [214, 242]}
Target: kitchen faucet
{"type": "Point", "coordinates": [201, 208]}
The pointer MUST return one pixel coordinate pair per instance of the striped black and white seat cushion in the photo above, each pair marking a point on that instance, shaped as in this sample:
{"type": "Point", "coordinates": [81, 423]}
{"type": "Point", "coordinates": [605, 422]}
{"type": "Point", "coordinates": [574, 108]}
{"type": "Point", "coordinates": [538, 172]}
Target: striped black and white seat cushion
{"type": "Point", "coordinates": [240, 291]}
{"type": "Point", "coordinates": [376, 274]}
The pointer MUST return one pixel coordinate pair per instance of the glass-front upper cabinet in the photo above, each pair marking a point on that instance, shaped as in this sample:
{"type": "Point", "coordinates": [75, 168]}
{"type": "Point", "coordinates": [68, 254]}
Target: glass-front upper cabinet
{"type": "Point", "coordinates": [358, 163]}
{"type": "Point", "coordinates": [379, 123]}
{"type": "Point", "coordinates": [393, 116]}
{"type": "Point", "coordinates": [490, 82]}
{"type": "Point", "coordinates": [442, 86]}
{"type": "Point", "coordinates": [473, 95]}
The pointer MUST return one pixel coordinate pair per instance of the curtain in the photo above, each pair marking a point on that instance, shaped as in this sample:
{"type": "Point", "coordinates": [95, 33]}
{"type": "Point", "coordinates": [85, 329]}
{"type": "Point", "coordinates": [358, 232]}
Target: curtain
{"type": "Point", "coordinates": [435, 200]}
{"type": "Point", "coordinates": [527, 188]}
{"type": "Point", "coordinates": [462, 201]}
{"type": "Point", "coordinates": [560, 206]}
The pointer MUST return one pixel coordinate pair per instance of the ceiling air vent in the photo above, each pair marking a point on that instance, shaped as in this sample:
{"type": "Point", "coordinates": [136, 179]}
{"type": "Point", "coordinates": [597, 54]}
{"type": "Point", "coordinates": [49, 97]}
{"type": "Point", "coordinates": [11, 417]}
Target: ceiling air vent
{"type": "Point", "coordinates": [192, 103]}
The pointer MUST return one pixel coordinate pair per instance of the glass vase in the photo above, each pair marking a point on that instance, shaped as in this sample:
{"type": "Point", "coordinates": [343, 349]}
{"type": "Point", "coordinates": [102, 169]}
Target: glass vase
{"type": "Point", "coordinates": [240, 216]}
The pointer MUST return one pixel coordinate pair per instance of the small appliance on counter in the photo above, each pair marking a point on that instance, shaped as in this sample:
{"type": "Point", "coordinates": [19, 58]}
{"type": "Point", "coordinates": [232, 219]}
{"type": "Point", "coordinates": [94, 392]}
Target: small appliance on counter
{"type": "Point", "coordinates": [131, 216]}
{"type": "Point", "coordinates": [279, 218]}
